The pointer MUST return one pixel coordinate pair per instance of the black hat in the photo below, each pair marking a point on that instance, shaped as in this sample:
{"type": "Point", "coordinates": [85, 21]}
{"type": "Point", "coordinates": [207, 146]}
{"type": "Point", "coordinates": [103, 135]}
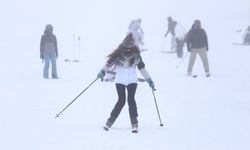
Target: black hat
{"type": "Point", "coordinates": [128, 41]}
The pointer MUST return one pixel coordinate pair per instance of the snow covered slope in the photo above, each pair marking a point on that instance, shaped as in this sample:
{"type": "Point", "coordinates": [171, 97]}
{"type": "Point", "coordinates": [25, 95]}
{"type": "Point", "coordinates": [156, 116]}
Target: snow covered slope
{"type": "Point", "coordinates": [198, 114]}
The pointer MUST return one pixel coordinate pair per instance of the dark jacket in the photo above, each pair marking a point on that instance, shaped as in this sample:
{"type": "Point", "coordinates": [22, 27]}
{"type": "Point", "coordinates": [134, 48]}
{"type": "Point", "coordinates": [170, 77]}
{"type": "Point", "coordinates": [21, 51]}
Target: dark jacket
{"type": "Point", "coordinates": [48, 44]}
{"type": "Point", "coordinates": [197, 38]}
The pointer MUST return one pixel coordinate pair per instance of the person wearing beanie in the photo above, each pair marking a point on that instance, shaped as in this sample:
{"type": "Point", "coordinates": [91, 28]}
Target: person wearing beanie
{"type": "Point", "coordinates": [197, 43]}
{"type": "Point", "coordinates": [49, 52]}
{"type": "Point", "coordinates": [125, 59]}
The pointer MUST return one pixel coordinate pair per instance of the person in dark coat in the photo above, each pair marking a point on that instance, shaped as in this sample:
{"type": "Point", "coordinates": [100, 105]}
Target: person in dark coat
{"type": "Point", "coordinates": [49, 52]}
{"type": "Point", "coordinates": [126, 58]}
{"type": "Point", "coordinates": [197, 43]}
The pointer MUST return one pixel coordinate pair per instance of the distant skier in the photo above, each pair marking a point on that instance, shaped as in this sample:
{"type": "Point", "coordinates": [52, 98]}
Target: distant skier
{"type": "Point", "coordinates": [49, 52]}
{"type": "Point", "coordinates": [125, 59]}
{"type": "Point", "coordinates": [137, 32]}
{"type": "Point", "coordinates": [178, 36]}
{"type": "Point", "coordinates": [247, 36]}
{"type": "Point", "coordinates": [171, 29]}
{"type": "Point", "coordinates": [197, 42]}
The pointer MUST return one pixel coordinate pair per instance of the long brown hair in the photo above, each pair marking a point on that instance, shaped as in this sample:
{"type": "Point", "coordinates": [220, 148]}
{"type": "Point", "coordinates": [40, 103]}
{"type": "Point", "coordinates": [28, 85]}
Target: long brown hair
{"type": "Point", "coordinates": [121, 49]}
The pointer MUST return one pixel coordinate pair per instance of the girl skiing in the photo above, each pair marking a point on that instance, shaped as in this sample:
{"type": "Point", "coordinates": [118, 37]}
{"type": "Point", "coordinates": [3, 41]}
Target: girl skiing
{"type": "Point", "coordinates": [125, 59]}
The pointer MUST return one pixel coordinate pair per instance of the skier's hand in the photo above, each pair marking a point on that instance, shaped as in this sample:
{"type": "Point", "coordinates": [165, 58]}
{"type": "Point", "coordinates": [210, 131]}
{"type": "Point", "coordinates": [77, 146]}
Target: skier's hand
{"type": "Point", "coordinates": [41, 56]}
{"type": "Point", "coordinates": [101, 74]}
{"type": "Point", "coordinates": [151, 83]}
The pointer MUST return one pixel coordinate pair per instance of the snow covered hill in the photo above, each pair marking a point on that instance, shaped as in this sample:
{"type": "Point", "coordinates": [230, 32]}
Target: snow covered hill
{"type": "Point", "coordinates": [198, 114]}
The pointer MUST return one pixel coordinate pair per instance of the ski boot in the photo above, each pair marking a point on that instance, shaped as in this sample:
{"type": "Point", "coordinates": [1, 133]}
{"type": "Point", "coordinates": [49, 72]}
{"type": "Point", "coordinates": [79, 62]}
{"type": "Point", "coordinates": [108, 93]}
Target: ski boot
{"type": "Point", "coordinates": [134, 123]}
{"type": "Point", "coordinates": [109, 123]}
{"type": "Point", "coordinates": [135, 128]}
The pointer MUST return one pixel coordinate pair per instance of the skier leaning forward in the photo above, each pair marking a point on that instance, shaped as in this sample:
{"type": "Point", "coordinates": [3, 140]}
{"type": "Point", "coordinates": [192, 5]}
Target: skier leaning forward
{"type": "Point", "coordinates": [126, 58]}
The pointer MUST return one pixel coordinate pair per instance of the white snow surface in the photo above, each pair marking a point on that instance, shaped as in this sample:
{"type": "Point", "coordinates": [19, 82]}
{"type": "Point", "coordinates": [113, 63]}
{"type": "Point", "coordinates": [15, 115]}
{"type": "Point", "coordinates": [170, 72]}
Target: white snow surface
{"type": "Point", "coordinates": [198, 114]}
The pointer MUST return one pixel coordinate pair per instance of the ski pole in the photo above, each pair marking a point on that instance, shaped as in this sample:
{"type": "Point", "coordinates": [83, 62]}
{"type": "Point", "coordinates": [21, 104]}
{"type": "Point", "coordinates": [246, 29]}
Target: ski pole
{"type": "Point", "coordinates": [181, 61]}
{"type": "Point", "coordinates": [161, 124]}
{"type": "Point", "coordinates": [75, 98]}
{"type": "Point", "coordinates": [79, 48]}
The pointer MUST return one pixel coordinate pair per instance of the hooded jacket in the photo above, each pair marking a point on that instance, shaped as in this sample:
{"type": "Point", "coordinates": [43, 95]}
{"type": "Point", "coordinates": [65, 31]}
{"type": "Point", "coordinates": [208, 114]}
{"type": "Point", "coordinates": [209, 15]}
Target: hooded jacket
{"type": "Point", "coordinates": [197, 38]}
{"type": "Point", "coordinates": [48, 42]}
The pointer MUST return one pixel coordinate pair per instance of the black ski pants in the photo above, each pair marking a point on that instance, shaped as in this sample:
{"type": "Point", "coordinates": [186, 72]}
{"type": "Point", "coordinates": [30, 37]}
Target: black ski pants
{"type": "Point", "coordinates": [121, 91]}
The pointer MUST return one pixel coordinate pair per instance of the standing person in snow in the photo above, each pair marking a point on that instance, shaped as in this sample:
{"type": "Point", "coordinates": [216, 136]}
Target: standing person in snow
{"type": "Point", "coordinates": [137, 32]}
{"type": "Point", "coordinates": [125, 59]}
{"type": "Point", "coordinates": [49, 52]}
{"type": "Point", "coordinates": [171, 29]}
{"type": "Point", "coordinates": [197, 43]}
{"type": "Point", "coordinates": [247, 36]}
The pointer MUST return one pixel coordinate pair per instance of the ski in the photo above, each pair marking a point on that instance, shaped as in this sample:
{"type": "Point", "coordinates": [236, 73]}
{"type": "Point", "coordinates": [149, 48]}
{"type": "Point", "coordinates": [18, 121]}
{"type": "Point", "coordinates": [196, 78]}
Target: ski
{"type": "Point", "coordinates": [68, 60]}
{"type": "Point", "coordinates": [168, 52]}
{"type": "Point", "coordinates": [135, 130]}
{"type": "Point", "coordinates": [194, 76]}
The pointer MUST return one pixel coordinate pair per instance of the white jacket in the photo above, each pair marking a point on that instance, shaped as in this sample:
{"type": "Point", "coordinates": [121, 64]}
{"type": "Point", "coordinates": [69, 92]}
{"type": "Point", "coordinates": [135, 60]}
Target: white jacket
{"type": "Point", "coordinates": [127, 75]}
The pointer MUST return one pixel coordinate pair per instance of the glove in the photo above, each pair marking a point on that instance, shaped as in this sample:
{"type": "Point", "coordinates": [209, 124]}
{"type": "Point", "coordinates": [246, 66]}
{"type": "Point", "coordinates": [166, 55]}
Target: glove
{"type": "Point", "coordinates": [151, 83]}
{"type": "Point", "coordinates": [101, 74]}
{"type": "Point", "coordinates": [41, 56]}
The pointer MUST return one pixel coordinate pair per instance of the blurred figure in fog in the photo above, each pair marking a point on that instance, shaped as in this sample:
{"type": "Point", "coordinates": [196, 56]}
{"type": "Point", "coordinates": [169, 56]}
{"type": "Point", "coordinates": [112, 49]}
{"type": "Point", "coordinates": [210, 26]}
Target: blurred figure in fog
{"type": "Point", "coordinates": [197, 43]}
{"type": "Point", "coordinates": [171, 29]}
{"type": "Point", "coordinates": [137, 32]}
{"type": "Point", "coordinates": [246, 36]}
{"type": "Point", "coordinates": [178, 36]}
{"type": "Point", "coordinates": [49, 52]}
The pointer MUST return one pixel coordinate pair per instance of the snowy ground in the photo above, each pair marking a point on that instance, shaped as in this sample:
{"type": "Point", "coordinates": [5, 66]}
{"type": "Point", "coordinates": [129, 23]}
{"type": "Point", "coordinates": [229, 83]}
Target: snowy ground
{"type": "Point", "coordinates": [198, 114]}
